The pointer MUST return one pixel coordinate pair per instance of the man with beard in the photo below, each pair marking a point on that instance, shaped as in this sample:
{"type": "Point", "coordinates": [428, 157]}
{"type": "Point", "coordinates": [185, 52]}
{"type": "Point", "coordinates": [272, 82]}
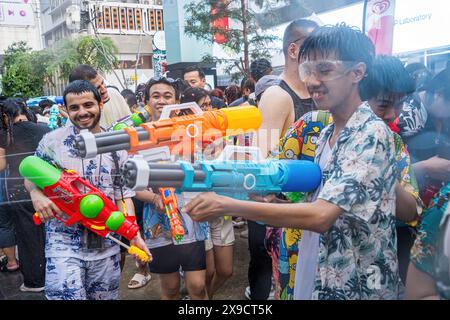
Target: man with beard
{"type": "Point", "coordinates": [80, 264]}
{"type": "Point", "coordinates": [115, 107]}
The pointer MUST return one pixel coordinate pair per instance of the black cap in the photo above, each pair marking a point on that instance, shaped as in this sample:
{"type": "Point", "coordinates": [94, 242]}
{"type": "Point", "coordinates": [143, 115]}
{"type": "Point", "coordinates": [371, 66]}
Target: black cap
{"type": "Point", "coordinates": [260, 68]}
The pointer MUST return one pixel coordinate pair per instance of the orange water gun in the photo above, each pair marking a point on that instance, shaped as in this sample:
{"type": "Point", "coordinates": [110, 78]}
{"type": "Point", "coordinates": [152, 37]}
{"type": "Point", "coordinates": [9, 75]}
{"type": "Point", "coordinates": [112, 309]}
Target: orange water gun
{"type": "Point", "coordinates": [178, 133]}
{"type": "Point", "coordinates": [171, 205]}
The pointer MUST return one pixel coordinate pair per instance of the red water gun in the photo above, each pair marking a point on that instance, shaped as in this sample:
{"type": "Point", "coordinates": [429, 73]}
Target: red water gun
{"type": "Point", "coordinates": [91, 208]}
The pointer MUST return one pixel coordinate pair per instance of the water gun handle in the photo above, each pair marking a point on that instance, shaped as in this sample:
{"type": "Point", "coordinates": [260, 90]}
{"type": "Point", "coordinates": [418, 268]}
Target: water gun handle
{"type": "Point", "coordinates": [144, 257]}
{"type": "Point", "coordinates": [141, 254]}
{"type": "Point", "coordinates": [167, 110]}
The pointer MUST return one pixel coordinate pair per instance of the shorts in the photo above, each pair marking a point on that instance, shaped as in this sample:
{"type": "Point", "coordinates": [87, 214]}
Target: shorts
{"type": "Point", "coordinates": [221, 233]}
{"type": "Point", "coordinates": [169, 259]}
{"type": "Point", "coordinates": [75, 279]}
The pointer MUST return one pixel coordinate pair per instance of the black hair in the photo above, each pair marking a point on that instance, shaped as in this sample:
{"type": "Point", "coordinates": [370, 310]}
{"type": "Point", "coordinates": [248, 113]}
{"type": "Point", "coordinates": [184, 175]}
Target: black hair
{"type": "Point", "coordinates": [389, 76]}
{"type": "Point", "coordinates": [81, 86]}
{"type": "Point", "coordinates": [126, 92]}
{"type": "Point", "coordinates": [346, 43]}
{"type": "Point", "coordinates": [193, 94]}
{"type": "Point", "coordinates": [441, 83]}
{"type": "Point", "coordinates": [232, 93]}
{"type": "Point", "coordinates": [44, 104]}
{"type": "Point", "coordinates": [260, 68]}
{"type": "Point", "coordinates": [130, 97]}
{"type": "Point", "coordinates": [249, 84]}
{"type": "Point", "coordinates": [83, 72]}
{"type": "Point", "coordinates": [178, 85]}
{"type": "Point", "coordinates": [194, 68]}
{"type": "Point", "coordinates": [295, 30]}
{"type": "Point", "coordinates": [10, 109]}
{"type": "Point", "coordinates": [420, 74]}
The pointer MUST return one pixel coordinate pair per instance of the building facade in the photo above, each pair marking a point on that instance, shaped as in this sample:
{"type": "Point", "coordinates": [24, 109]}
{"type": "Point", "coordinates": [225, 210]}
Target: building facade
{"type": "Point", "coordinates": [19, 21]}
{"type": "Point", "coordinates": [131, 25]}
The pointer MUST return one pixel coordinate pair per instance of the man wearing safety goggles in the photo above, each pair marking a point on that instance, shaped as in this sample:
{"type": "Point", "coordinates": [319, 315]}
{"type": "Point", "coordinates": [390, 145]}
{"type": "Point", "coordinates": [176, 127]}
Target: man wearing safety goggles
{"type": "Point", "coordinates": [348, 248]}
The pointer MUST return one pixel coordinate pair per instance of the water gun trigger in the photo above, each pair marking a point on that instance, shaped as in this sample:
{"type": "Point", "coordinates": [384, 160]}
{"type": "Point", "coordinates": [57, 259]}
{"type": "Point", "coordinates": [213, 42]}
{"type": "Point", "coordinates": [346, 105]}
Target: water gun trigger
{"type": "Point", "coordinates": [36, 219]}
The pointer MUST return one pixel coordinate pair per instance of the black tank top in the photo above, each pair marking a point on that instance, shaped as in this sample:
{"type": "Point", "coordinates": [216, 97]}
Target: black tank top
{"type": "Point", "coordinates": [301, 106]}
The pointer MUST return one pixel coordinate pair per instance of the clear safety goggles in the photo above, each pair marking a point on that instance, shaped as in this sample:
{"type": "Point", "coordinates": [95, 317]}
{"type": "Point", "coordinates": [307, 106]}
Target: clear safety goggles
{"type": "Point", "coordinates": [324, 70]}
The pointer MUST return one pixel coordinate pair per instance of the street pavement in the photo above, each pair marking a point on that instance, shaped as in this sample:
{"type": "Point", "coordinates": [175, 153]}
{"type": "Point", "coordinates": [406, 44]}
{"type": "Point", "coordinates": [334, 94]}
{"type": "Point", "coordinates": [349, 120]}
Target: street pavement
{"type": "Point", "coordinates": [233, 289]}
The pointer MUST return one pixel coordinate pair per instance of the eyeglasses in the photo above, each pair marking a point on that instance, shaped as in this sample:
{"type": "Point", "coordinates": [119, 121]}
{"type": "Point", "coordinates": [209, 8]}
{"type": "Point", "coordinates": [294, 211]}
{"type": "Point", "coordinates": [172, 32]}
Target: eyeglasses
{"type": "Point", "coordinates": [324, 70]}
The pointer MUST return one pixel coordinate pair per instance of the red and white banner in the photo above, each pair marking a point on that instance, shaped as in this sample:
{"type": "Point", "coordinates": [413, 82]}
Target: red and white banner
{"type": "Point", "coordinates": [379, 24]}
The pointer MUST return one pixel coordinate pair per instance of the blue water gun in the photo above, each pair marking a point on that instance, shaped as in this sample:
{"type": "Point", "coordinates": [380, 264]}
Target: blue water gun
{"type": "Point", "coordinates": [232, 178]}
{"type": "Point", "coordinates": [53, 120]}
{"type": "Point", "coordinates": [34, 102]}
{"type": "Point", "coordinates": [54, 110]}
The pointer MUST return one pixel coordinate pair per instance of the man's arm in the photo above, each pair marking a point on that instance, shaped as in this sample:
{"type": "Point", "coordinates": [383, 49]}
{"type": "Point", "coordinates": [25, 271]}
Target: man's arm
{"type": "Point", "coordinates": [405, 205]}
{"type": "Point", "coordinates": [435, 167]}
{"type": "Point", "coordinates": [276, 109]}
{"type": "Point", "coordinates": [420, 285]}
{"type": "Point", "coordinates": [317, 216]}
{"type": "Point", "coordinates": [151, 197]}
{"type": "Point", "coordinates": [2, 159]}
{"type": "Point", "coordinates": [44, 207]}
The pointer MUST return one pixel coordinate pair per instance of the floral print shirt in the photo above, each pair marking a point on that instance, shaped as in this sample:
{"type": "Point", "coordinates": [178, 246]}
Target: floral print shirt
{"type": "Point", "coordinates": [425, 251]}
{"type": "Point", "coordinates": [358, 254]}
{"type": "Point", "coordinates": [57, 148]}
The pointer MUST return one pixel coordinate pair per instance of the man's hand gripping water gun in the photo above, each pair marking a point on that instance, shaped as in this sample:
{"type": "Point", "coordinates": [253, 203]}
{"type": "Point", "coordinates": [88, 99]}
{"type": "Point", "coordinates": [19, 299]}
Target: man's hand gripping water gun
{"type": "Point", "coordinates": [93, 209]}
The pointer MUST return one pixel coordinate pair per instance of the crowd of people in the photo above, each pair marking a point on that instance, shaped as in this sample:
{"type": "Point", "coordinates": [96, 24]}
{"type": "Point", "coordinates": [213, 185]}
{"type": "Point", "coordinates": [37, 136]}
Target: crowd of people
{"type": "Point", "coordinates": [376, 228]}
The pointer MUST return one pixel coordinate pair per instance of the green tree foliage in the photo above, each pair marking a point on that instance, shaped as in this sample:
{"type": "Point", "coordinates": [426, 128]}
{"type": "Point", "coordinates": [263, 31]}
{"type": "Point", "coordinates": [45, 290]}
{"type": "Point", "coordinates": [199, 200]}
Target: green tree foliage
{"type": "Point", "coordinates": [24, 71]}
{"type": "Point", "coordinates": [246, 40]}
{"type": "Point", "coordinates": [100, 53]}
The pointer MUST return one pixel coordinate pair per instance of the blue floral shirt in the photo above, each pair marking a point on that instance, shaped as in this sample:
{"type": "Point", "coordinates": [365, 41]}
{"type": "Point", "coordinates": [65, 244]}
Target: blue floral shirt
{"type": "Point", "coordinates": [425, 253]}
{"type": "Point", "coordinates": [57, 148]}
{"type": "Point", "coordinates": [358, 254]}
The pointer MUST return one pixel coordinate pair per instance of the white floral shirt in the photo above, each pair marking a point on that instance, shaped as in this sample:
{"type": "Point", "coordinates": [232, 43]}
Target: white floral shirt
{"type": "Point", "coordinates": [358, 254]}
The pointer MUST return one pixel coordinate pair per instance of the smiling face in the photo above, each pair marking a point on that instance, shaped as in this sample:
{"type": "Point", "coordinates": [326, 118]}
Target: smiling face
{"type": "Point", "coordinates": [99, 83]}
{"type": "Point", "coordinates": [84, 111]}
{"type": "Point", "coordinates": [330, 81]}
{"type": "Point", "coordinates": [160, 95]}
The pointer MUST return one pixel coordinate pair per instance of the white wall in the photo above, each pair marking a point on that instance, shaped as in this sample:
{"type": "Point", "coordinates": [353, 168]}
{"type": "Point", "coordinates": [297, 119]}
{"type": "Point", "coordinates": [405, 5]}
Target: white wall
{"type": "Point", "coordinates": [19, 22]}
